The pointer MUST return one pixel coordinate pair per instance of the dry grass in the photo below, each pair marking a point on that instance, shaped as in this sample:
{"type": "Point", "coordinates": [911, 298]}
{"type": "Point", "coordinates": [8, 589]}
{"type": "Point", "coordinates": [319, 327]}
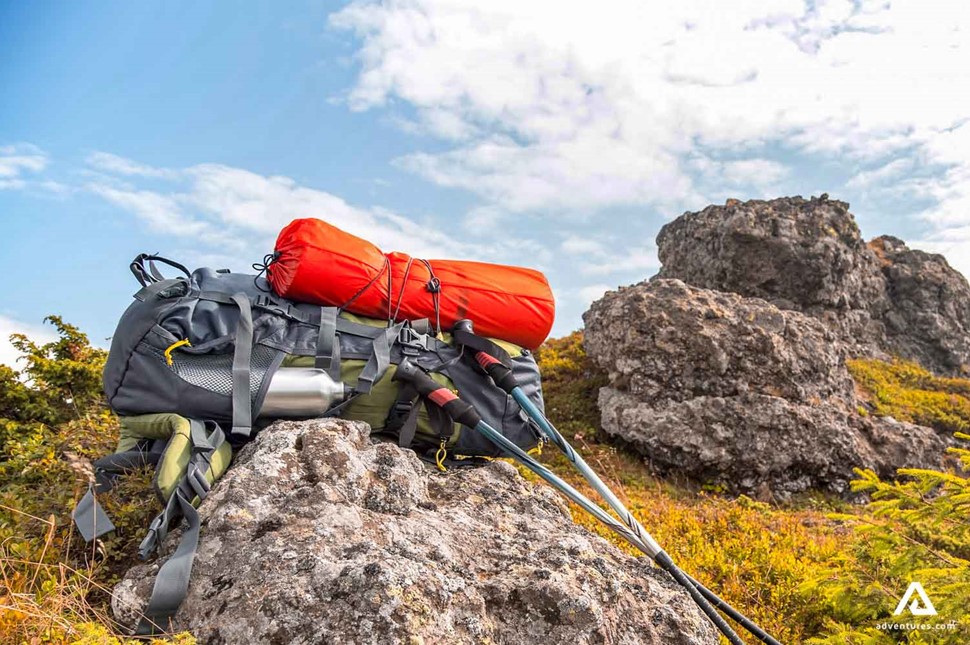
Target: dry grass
{"type": "Point", "coordinates": [44, 599]}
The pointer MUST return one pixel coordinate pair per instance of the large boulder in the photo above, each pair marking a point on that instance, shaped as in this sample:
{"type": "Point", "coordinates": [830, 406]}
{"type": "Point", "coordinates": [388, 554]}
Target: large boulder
{"type": "Point", "coordinates": [929, 317]}
{"type": "Point", "coordinates": [882, 298]}
{"type": "Point", "coordinates": [735, 391]}
{"type": "Point", "coordinates": [798, 254]}
{"type": "Point", "coordinates": [318, 535]}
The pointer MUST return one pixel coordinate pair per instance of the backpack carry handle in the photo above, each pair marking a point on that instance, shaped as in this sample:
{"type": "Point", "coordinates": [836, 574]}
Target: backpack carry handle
{"type": "Point", "coordinates": [438, 394]}
{"type": "Point", "coordinates": [149, 274]}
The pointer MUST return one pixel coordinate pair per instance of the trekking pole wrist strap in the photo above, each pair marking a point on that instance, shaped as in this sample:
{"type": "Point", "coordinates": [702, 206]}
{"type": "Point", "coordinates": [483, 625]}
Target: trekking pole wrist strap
{"type": "Point", "coordinates": [437, 394]}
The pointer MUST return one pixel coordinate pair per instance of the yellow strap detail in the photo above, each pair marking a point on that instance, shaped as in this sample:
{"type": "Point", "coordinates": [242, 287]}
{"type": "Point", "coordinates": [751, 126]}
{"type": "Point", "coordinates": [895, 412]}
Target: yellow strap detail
{"type": "Point", "coordinates": [537, 451]}
{"type": "Point", "coordinates": [176, 344]}
{"type": "Point", "coordinates": [439, 457]}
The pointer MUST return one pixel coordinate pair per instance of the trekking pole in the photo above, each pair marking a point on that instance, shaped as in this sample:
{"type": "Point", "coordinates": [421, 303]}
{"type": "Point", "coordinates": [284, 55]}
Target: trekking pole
{"type": "Point", "coordinates": [503, 377]}
{"type": "Point", "coordinates": [464, 413]}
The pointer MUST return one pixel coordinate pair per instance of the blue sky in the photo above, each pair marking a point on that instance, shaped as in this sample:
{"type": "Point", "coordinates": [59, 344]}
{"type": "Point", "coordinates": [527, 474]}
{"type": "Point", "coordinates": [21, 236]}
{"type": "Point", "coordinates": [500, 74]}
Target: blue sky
{"type": "Point", "coordinates": [525, 133]}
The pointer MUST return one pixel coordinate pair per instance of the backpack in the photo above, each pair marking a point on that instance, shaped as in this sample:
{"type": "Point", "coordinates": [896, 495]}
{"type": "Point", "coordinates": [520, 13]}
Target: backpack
{"type": "Point", "coordinates": [193, 360]}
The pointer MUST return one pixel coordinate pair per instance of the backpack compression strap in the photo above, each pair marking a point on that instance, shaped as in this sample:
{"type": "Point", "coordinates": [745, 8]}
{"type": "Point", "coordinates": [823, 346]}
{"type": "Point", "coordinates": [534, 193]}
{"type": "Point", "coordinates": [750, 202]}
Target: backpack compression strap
{"type": "Point", "coordinates": [89, 518]}
{"type": "Point", "coordinates": [242, 407]}
{"type": "Point", "coordinates": [172, 581]}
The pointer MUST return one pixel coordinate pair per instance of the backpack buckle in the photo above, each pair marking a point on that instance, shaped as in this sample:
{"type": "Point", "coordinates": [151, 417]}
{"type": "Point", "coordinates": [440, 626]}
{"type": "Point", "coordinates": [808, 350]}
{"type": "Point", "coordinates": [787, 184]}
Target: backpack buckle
{"type": "Point", "coordinates": [150, 543]}
{"type": "Point", "coordinates": [412, 343]}
{"type": "Point", "coordinates": [400, 411]}
{"type": "Point", "coordinates": [287, 311]}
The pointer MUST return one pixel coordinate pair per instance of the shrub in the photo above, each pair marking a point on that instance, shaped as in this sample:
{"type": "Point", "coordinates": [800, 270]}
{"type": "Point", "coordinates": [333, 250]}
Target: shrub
{"type": "Point", "coordinates": [916, 529]}
{"type": "Point", "coordinates": [803, 574]}
{"type": "Point", "coordinates": [53, 424]}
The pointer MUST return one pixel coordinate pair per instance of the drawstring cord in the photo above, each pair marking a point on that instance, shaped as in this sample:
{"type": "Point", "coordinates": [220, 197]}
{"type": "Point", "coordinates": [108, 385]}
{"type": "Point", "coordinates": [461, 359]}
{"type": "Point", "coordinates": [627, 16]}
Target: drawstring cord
{"type": "Point", "coordinates": [262, 268]}
{"type": "Point", "coordinates": [441, 455]}
{"type": "Point", "coordinates": [168, 352]}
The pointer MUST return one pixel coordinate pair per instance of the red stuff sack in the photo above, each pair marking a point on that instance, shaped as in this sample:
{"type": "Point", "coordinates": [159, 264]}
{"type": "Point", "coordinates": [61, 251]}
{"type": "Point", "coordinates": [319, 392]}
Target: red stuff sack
{"type": "Point", "coordinates": [318, 263]}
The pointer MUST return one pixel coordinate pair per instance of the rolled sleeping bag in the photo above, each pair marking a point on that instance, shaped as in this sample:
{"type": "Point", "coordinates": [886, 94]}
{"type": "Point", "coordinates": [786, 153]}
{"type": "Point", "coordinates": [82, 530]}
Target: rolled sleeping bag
{"type": "Point", "coordinates": [320, 264]}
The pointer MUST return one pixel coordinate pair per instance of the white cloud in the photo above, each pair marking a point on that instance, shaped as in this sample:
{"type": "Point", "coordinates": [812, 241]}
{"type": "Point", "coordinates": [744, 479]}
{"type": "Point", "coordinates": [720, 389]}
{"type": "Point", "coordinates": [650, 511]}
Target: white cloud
{"type": "Point", "coordinates": [603, 256]}
{"type": "Point", "coordinates": [579, 245]}
{"type": "Point", "coordinates": [161, 212]}
{"type": "Point", "coordinates": [884, 173]}
{"type": "Point", "coordinates": [17, 160]}
{"type": "Point", "coordinates": [8, 326]}
{"type": "Point", "coordinates": [241, 211]}
{"type": "Point", "coordinates": [544, 108]}
{"type": "Point", "coordinates": [111, 163]}
{"type": "Point", "coordinates": [754, 172]}
{"type": "Point", "coordinates": [593, 292]}
{"type": "Point", "coordinates": [637, 259]}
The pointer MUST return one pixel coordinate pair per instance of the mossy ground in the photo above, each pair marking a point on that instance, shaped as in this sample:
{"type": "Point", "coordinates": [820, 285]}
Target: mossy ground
{"type": "Point", "coordinates": [819, 571]}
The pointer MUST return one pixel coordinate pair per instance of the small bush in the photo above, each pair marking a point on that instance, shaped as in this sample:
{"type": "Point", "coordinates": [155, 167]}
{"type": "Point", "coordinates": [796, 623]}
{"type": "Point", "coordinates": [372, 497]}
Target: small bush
{"type": "Point", "coordinates": [53, 424]}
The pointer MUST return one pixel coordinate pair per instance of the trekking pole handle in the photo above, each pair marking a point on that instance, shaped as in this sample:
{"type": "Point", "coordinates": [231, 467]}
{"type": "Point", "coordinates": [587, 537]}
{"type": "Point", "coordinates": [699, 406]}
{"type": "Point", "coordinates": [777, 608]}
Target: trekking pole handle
{"type": "Point", "coordinates": [437, 393]}
{"type": "Point", "coordinates": [501, 375]}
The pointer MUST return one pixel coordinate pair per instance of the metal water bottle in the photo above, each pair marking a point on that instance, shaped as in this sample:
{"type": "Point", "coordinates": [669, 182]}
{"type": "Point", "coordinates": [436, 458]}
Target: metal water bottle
{"type": "Point", "coordinates": [301, 392]}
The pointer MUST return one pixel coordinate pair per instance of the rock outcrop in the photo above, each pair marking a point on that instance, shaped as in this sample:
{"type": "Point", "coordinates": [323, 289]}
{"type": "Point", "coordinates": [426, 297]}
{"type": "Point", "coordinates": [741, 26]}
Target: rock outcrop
{"type": "Point", "coordinates": [735, 391]}
{"type": "Point", "coordinates": [316, 535]}
{"type": "Point", "coordinates": [808, 255]}
{"type": "Point", "coordinates": [928, 319]}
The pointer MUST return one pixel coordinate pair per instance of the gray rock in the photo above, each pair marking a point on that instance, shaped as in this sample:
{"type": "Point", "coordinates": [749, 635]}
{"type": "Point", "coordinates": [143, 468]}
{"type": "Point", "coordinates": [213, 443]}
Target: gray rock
{"type": "Point", "coordinates": [665, 340]}
{"type": "Point", "coordinates": [883, 299]}
{"type": "Point", "coordinates": [765, 446]}
{"type": "Point", "coordinates": [929, 318]}
{"type": "Point", "coordinates": [798, 254]}
{"type": "Point", "coordinates": [316, 535]}
{"type": "Point", "coordinates": [724, 389]}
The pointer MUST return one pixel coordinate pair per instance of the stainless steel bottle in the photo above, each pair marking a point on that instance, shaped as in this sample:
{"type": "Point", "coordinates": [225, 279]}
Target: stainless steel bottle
{"type": "Point", "coordinates": [301, 392]}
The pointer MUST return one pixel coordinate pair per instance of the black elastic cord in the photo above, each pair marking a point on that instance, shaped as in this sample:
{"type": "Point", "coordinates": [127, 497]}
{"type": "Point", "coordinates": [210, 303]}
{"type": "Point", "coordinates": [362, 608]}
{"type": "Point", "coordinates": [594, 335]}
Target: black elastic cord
{"type": "Point", "coordinates": [262, 268]}
{"type": "Point", "coordinates": [370, 283]}
{"type": "Point", "coordinates": [404, 283]}
{"type": "Point", "coordinates": [434, 286]}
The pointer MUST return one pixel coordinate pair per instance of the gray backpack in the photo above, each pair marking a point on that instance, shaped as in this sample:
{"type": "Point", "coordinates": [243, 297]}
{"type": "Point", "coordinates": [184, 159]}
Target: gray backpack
{"type": "Point", "coordinates": [192, 361]}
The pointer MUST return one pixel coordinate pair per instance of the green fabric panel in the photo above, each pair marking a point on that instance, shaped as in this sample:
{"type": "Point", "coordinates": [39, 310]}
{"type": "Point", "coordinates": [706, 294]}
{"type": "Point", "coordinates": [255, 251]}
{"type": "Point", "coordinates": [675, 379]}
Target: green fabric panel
{"type": "Point", "coordinates": [147, 426]}
{"type": "Point", "coordinates": [171, 468]}
{"type": "Point", "coordinates": [373, 408]}
{"type": "Point", "coordinates": [513, 350]}
{"type": "Point", "coordinates": [174, 463]}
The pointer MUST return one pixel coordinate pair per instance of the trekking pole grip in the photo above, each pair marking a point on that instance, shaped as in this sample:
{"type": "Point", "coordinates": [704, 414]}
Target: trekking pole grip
{"type": "Point", "coordinates": [500, 373]}
{"type": "Point", "coordinates": [436, 393]}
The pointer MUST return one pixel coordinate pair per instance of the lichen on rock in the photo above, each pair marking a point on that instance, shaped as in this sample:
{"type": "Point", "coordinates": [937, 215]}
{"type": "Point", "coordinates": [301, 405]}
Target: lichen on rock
{"type": "Point", "coordinates": [318, 535]}
{"type": "Point", "coordinates": [728, 390]}
{"type": "Point", "coordinates": [808, 255]}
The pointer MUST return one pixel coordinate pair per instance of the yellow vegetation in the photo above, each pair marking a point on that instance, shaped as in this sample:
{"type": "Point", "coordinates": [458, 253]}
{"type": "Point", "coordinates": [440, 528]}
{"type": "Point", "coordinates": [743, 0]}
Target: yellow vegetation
{"type": "Point", "coordinates": [808, 573]}
{"type": "Point", "coordinates": [822, 571]}
{"type": "Point", "coordinates": [907, 392]}
{"type": "Point", "coordinates": [53, 422]}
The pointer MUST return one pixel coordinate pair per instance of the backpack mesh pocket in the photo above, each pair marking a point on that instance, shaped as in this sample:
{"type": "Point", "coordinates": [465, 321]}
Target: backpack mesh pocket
{"type": "Point", "coordinates": [213, 372]}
